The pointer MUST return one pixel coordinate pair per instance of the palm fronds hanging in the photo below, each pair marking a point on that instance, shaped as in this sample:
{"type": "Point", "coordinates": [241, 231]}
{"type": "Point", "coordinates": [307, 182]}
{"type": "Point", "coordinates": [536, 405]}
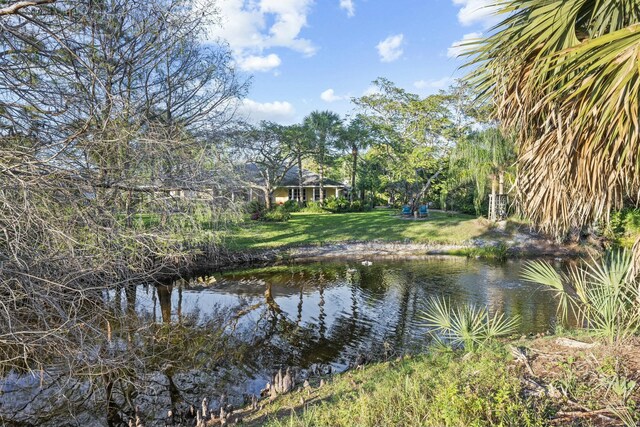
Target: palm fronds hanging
{"type": "Point", "coordinates": [566, 75]}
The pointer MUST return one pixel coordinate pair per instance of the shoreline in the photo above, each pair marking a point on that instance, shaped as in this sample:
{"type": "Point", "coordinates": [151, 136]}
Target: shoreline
{"type": "Point", "coordinates": [528, 247]}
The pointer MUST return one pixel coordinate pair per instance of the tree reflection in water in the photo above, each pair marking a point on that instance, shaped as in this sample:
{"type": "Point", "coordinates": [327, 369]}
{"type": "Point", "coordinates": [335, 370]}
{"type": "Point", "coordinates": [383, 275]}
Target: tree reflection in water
{"type": "Point", "coordinates": [228, 333]}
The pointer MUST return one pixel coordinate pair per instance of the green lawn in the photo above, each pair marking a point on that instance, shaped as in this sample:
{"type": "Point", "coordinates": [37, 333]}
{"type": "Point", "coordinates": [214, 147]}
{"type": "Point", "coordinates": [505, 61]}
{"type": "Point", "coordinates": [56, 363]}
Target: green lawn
{"type": "Point", "coordinates": [379, 224]}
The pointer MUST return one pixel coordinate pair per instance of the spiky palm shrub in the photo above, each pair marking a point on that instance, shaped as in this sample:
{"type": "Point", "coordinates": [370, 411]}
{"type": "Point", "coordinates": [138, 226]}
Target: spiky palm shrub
{"type": "Point", "coordinates": [565, 75]}
{"type": "Point", "coordinates": [466, 325]}
{"type": "Point", "coordinates": [601, 295]}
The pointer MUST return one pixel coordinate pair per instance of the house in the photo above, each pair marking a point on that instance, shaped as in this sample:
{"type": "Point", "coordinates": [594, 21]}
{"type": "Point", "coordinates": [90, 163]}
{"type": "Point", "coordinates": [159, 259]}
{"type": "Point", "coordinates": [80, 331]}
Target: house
{"type": "Point", "coordinates": [289, 187]}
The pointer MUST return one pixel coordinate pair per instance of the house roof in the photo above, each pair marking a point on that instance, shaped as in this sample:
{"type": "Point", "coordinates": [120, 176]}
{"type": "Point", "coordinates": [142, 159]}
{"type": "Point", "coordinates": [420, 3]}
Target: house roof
{"type": "Point", "coordinates": [309, 179]}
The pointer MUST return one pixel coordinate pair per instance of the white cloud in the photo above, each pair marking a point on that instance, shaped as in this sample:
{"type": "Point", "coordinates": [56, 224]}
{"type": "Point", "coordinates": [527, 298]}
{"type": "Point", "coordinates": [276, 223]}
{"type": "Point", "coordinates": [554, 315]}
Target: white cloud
{"type": "Point", "coordinates": [371, 90]}
{"type": "Point", "coordinates": [459, 47]}
{"type": "Point", "coordinates": [390, 49]}
{"type": "Point", "coordinates": [259, 63]}
{"type": "Point", "coordinates": [277, 111]}
{"type": "Point", "coordinates": [348, 6]}
{"type": "Point", "coordinates": [330, 96]}
{"type": "Point", "coordinates": [477, 11]}
{"type": "Point", "coordinates": [253, 26]}
{"type": "Point", "coordinates": [434, 84]}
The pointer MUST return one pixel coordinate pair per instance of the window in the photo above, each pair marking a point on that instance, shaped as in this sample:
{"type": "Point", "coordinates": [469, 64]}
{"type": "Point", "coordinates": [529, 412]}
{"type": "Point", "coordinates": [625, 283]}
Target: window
{"type": "Point", "coordinates": [316, 194]}
{"type": "Point", "coordinates": [294, 193]}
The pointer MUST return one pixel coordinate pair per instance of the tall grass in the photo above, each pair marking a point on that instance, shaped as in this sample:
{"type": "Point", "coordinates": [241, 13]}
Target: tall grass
{"type": "Point", "coordinates": [601, 294]}
{"type": "Point", "coordinates": [466, 325]}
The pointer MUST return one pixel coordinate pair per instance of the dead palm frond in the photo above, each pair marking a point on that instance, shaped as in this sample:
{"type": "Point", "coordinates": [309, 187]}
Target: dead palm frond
{"type": "Point", "coordinates": [566, 75]}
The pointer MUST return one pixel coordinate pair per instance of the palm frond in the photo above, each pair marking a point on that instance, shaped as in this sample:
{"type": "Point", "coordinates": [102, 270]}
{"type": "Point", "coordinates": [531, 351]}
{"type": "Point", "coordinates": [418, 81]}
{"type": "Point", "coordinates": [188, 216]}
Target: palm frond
{"type": "Point", "coordinates": [565, 74]}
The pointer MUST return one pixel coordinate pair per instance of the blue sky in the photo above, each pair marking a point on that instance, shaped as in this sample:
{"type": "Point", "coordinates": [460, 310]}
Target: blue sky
{"type": "Point", "coordinates": [308, 55]}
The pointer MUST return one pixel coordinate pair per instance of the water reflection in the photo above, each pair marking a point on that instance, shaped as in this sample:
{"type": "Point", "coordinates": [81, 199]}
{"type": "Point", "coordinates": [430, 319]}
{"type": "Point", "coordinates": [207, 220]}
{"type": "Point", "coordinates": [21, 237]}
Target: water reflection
{"type": "Point", "coordinates": [176, 343]}
{"type": "Point", "coordinates": [329, 312]}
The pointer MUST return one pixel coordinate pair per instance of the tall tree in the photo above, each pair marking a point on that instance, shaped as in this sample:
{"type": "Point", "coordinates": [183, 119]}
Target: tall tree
{"type": "Point", "coordinates": [297, 140]}
{"type": "Point", "coordinates": [564, 74]}
{"type": "Point", "coordinates": [99, 102]}
{"type": "Point", "coordinates": [267, 151]}
{"type": "Point", "coordinates": [417, 135]}
{"type": "Point", "coordinates": [324, 128]}
{"type": "Point", "coordinates": [356, 136]}
{"type": "Point", "coordinates": [484, 158]}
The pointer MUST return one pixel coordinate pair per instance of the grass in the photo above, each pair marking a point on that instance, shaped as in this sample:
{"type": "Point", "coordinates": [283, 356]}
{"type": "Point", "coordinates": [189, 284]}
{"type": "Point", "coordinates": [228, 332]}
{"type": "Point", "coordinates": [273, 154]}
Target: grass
{"type": "Point", "coordinates": [441, 388]}
{"type": "Point", "coordinates": [377, 225]}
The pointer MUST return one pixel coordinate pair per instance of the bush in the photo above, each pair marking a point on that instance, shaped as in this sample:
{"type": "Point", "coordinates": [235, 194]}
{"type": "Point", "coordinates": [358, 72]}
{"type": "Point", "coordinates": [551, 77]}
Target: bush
{"type": "Point", "coordinates": [466, 325]}
{"type": "Point", "coordinates": [356, 206]}
{"type": "Point", "coordinates": [313, 207]}
{"type": "Point", "coordinates": [291, 206]}
{"type": "Point", "coordinates": [278, 214]}
{"type": "Point", "coordinates": [336, 204]}
{"type": "Point", "coordinates": [254, 207]}
{"type": "Point", "coordinates": [602, 294]}
{"type": "Point", "coordinates": [624, 226]}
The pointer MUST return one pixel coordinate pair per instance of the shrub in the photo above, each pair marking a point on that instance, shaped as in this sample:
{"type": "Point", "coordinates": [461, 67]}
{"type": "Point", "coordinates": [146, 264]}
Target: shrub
{"type": "Point", "coordinates": [356, 206]}
{"type": "Point", "coordinates": [467, 325]}
{"type": "Point", "coordinates": [291, 206]}
{"type": "Point", "coordinates": [278, 214]}
{"type": "Point", "coordinates": [602, 294]}
{"type": "Point", "coordinates": [255, 208]}
{"type": "Point", "coordinates": [334, 204]}
{"type": "Point", "coordinates": [313, 207]}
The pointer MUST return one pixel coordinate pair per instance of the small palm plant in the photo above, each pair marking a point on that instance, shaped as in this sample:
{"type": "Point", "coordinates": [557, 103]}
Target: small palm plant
{"type": "Point", "coordinates": [466, 325]}
{"type": "Point", "coordinates": [601, 295]}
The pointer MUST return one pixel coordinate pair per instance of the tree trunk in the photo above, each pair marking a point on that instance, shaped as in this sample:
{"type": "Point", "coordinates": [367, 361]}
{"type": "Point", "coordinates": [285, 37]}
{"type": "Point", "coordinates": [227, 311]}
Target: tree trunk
{"type": "Point", "coordinates": [300, 187]}
{"type": "Point", "coordinates": [501, 183]}
{"type": "Point", "coordinates": [321, 179]}
{"type": "Point", "coordinates": [354, 153]}
{"type": "Point", "coordinates": [267, 197]}
{"type": "Point", "coordinates": [164, 297]}
{"type": "Point", "coordinates": [423, 191]}
{"type": "Point", "coordinates": [493, 205]}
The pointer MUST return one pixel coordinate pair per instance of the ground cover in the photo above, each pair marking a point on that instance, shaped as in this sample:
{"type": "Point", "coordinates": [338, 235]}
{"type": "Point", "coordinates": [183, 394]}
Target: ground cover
{"type": "Point", "coordinates": [539, 381]}
{"type": "Point", "coordinates": [377, 225]}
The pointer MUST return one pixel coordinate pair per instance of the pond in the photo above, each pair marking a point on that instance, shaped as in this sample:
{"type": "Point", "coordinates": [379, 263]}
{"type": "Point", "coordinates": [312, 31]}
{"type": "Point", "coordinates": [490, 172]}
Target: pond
{"type": "Point", "coordinates": [330, 312]}
{"type": "Point", "coordinates": [227, 333]}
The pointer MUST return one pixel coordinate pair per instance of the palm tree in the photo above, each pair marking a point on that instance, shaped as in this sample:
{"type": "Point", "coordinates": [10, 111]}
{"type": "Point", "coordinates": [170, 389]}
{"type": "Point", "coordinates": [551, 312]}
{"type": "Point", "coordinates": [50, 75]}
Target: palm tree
{"type": "Point", "coordinates": [565, 74]}
{"type": "Point", "coordinates": [356, 137]}
{"type": "Point", "coordinates": [484, 157]}
{"type": "Point", "coordinates": [325, 129]}
{"type": "Point", "coordinates": [297, 140]}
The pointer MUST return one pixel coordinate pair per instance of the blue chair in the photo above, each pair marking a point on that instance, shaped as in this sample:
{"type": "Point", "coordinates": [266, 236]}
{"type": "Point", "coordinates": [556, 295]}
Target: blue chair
{"type": "Point", "coordinates": [423, 210]}
{"type": "Point", "coordinates": [406, 210]}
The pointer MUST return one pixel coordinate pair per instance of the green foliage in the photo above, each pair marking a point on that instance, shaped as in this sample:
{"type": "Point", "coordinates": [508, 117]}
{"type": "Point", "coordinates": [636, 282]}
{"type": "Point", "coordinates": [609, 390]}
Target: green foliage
{"type": "Point", "coordinates": [339, 204]}
{"type": "Point", "coordinates": [602, 294]}
{"type": "Point", "coordinates": [313, 207]}
{"type": "Point", "coordinates": [277, 214]}
{"type": "Point", "coordinates": [255, 209]}
{"type": "Point", "coordinates": [438, 389]}
{"type": "Point", "coordinates": [497, 252]}
{"type": "Point", "coordinates": [624, 226]}
{"type": "Point", "coordinates": [291, 206]}
{"type": "Point", "coordinates": [466, 325]}
{"type": "Point", "coordinates": [358, 206]}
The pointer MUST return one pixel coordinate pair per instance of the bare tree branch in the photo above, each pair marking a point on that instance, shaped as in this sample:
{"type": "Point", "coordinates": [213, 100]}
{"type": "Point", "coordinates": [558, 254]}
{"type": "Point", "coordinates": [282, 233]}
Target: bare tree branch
{"type": "Point", "coordinates": [14, 8]}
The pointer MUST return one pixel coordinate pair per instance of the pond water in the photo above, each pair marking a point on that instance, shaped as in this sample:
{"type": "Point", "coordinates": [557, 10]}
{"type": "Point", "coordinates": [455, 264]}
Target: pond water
{"type": "Point", "coordinates": [227, 333]}
{"type": "Point", "coordinates": [330, 312]}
